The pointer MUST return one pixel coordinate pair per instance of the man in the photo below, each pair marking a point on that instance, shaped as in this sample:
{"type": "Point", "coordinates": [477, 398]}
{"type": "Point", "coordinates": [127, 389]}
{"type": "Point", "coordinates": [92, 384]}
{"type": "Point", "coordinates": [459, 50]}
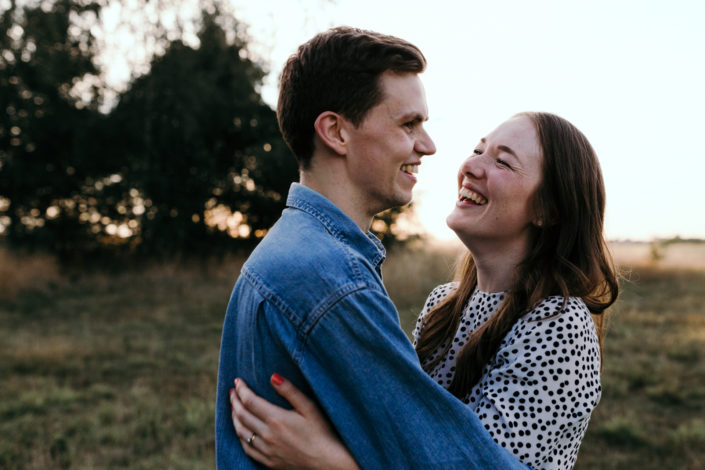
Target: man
{"type": "Point", "coordinates": [309, 303]}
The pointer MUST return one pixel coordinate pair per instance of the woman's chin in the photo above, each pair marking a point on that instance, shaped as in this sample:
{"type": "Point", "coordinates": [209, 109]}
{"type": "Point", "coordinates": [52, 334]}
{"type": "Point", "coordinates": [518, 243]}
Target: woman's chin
{"type": "Point", "coordinates": [455, 221]}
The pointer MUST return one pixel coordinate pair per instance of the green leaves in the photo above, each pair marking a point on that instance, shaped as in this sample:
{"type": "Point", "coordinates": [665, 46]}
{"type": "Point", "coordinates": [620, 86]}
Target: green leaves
{"type": "Point", "coordinates": [190, 136]}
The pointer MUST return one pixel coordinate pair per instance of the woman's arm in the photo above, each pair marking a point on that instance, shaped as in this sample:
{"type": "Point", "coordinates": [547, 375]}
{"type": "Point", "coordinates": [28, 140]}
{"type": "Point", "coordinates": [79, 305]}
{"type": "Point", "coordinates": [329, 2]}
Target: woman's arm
{"type": "Point", "coordinates": [286, 439]}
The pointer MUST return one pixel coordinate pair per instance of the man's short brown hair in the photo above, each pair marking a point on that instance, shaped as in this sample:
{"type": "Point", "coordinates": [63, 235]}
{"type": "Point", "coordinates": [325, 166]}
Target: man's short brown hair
{"type": "Point", "coordinates": [337, 70]}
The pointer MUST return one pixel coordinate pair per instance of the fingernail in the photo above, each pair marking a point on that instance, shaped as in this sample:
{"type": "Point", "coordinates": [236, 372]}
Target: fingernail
{"type": "Point", "coordinates": [277, 379]}
{"type": "Point", "coordinates": [235, 382]}
{"type": "Point", "coordinates": [230, 393]}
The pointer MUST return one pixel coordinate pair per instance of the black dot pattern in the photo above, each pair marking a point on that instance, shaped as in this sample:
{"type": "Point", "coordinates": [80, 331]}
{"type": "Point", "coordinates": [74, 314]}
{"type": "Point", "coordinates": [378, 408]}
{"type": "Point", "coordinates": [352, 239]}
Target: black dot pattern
{"type": "Point", "coordinates": [537, 393]}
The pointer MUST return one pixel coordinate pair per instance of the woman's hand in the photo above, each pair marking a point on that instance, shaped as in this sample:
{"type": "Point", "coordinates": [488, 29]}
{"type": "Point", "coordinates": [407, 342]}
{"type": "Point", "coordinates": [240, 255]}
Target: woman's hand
{"type": "Point", "coordinates": [286, 439]}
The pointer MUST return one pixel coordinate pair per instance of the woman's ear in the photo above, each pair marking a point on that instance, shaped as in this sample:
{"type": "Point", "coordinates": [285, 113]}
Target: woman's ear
{"type": "Point", "coordinates": [329, 127]}
{"type": "Point", "coordinates": [541, 220]}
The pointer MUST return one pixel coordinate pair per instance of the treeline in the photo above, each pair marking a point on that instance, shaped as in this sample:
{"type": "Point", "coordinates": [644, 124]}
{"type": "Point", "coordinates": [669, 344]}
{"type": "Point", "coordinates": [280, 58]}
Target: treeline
{"type": "Point", "coordinates": [189, 161]}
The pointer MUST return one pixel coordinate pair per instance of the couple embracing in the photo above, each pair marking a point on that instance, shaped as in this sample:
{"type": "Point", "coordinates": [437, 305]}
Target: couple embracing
{"type": "Point", "coordinates": [504, 369]}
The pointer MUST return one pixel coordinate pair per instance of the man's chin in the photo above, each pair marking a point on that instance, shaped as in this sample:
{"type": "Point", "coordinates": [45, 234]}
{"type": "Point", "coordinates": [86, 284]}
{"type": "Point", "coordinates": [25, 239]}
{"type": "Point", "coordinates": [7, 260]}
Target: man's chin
{"type": "Point", "coordinates": [403, 200]}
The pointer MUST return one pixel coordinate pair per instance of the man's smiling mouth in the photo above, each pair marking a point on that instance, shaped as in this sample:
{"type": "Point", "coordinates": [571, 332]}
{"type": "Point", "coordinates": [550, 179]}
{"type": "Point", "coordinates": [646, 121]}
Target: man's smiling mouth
{"type": "Point", "coordinates": [410, 168]}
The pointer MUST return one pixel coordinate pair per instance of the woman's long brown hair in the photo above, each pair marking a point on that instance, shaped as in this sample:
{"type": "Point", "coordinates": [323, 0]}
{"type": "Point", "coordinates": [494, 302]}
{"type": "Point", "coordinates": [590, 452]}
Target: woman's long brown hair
{"type": "Point", "coordinates": [568, 257]}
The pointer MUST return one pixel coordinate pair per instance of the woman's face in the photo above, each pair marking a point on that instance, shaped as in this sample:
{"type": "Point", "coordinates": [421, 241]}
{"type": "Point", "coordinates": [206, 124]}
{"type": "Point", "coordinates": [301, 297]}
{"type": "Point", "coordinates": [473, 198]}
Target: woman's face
{"type": "Point", "coordinates": [496, 187]}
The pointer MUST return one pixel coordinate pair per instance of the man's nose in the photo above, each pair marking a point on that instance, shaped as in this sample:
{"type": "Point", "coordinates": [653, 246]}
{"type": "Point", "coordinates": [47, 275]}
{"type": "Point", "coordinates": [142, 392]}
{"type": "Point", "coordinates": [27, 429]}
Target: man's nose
{"type": "Point", "coordinates": [424, 144]}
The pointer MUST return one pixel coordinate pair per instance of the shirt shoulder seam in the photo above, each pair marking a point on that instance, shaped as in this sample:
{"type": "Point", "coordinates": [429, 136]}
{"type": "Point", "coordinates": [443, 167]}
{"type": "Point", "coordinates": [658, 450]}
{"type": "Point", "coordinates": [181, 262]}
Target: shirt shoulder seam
{"type": "Point", "coordinates": [304, 327]}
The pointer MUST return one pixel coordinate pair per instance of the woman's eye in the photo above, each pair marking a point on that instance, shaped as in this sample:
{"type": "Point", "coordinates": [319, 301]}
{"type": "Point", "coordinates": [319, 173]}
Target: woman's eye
{"type": "Point", "coordinates": [503, 163]}
{"type": "Point", "coordinates": [477, 152]}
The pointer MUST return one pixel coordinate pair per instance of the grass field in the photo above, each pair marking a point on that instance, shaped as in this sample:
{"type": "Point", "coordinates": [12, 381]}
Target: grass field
{"type": "Point", "coordinates": [118, 370]}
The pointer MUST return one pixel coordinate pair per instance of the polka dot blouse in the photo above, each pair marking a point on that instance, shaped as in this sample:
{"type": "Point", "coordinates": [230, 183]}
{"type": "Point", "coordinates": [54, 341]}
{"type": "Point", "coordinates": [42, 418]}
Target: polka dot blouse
{"type": "Point", "coordinates": [536, 395]}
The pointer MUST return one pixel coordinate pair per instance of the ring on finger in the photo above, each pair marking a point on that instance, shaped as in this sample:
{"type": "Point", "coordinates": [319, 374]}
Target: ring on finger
{"type": "Point", "coordinates": [251, 440]}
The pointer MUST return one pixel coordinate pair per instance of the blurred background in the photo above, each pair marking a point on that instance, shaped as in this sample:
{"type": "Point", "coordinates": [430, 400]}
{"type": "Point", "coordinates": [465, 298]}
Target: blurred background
{"type": "Point", "coordinates": [140, 162]}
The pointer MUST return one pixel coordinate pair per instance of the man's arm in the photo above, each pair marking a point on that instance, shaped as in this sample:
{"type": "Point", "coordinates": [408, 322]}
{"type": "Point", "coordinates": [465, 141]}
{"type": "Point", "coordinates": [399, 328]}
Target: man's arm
{"type": "Point", "coordinates": [388, 411]}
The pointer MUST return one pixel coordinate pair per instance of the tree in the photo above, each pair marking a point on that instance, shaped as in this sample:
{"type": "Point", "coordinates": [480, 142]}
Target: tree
{"type": "Point", "coordinates": [189, 161]}
{"type": "Point", "coordinates": [203, 161]}
{"type": "Point", "coordinates": [44, 127]}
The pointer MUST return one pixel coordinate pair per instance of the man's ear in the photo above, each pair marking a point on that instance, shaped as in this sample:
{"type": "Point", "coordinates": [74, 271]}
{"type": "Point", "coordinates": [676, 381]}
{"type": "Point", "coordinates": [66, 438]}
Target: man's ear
{"type": "Point", "coordinates": [329, 128]}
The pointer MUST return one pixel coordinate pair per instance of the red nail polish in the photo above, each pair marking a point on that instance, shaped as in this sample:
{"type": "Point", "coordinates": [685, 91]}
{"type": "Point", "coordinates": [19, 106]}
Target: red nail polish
{"type": "Point", "coordinates": [277, 379]}
{"type": "Point", "coordinates": [230, 393]}
{"type": "Point", "coordinates": [236, 381]}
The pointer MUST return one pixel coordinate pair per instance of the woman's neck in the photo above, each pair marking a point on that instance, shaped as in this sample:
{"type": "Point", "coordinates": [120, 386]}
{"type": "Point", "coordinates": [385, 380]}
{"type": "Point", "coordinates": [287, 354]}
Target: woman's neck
{"type": "Point", "coordinates": [496, 266]}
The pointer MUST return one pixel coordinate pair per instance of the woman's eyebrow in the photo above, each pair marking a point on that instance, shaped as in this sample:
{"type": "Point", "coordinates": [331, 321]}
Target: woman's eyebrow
{"type": "Point", "coordinates": [503, 148]}
{"type": "Point", "coordinates": [508, 150]}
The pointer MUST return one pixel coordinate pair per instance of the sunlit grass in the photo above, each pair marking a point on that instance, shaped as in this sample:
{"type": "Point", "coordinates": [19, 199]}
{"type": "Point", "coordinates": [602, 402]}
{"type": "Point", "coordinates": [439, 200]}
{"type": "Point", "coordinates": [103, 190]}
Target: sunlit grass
{"type": "Point", "coordinates": [654, 376]}
{"type": "Point", "coordinates": [20, 272]}
{"type": "Point", "coordinates": [119, 371]}
{"type": "Point", "coordinates": [112, 371]}
{"type": "Point", "coordinates": [410, 275]}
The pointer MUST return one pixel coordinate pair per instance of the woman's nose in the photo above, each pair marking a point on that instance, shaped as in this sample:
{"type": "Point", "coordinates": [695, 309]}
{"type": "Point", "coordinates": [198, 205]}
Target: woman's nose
{"type": "Point", "coordinates": [473, 166]}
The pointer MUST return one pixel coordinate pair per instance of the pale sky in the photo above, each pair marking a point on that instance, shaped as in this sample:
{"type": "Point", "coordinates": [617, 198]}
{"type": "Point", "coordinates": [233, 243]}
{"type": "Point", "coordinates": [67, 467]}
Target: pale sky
{"type": "Point", "coordinates": [629, 74]}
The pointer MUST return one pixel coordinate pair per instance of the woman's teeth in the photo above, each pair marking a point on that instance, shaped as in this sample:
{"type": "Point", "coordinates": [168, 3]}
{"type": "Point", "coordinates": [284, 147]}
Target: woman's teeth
{"type": "Point", "coordinates": [466, 194]}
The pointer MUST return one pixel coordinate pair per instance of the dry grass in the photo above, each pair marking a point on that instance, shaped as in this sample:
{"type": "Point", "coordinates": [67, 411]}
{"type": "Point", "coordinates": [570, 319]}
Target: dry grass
{"type": "Point", "coordinates": [411, 274]}
{"type": "Point", "coordinates": [118, 370]}
{"type": "Point", "coordinates": [111, 370]}
{"type": "Point", "coordinates": [653, 400]}
{"type": "Point", "coordinates": [679, 255]}
{"type": "Point", "coordinates": [23, 273]}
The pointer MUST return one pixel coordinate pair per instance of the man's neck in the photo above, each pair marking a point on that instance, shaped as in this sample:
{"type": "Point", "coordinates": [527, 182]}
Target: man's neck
{"type": "Point", "coordinates": [339, 191]}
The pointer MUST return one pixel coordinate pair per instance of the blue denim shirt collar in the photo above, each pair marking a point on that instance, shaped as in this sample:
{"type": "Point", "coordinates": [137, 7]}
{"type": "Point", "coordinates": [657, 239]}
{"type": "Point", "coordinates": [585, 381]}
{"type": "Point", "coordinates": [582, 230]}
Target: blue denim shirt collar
{"type": "Point", "coordinates": [338, 224]}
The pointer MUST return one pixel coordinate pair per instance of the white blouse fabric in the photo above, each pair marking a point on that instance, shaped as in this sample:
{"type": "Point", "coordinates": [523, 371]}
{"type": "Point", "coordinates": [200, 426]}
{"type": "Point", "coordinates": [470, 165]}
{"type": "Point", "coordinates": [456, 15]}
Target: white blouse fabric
{"type": "Point", "coordinates": [536, 394]}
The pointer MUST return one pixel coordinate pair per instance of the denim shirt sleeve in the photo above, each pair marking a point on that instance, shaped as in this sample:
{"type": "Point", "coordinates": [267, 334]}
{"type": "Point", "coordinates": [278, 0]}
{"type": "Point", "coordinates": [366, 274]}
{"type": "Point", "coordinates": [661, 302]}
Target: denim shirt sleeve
{"type": "Point", "coordinates": [388, 411]}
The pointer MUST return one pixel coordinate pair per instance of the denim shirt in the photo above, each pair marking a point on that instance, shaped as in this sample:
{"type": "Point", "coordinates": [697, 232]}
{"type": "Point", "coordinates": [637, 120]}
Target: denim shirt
{"type": "Point", "coordinates": [310, 305]}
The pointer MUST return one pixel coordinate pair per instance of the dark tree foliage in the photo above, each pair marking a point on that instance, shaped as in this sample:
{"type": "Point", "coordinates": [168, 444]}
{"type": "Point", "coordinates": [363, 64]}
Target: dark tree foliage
{"type": "Point", "coordinates": [197, 145]}
{"type": "Point", "coordinates": [189, 162]}
{"type": "Point", "coordinates": [385, 227]}
{"type": "Point", "coordinates": [45, 133]}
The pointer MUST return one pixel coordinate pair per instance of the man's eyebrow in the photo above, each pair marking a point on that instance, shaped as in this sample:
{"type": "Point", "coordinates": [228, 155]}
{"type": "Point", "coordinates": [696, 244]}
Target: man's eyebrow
{"type": "Point", "coordinates": [414, 116]}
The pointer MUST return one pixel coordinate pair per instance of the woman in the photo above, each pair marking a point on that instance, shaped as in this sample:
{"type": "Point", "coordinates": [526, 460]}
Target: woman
{"type": "Point", "coordinates": [518, 338]}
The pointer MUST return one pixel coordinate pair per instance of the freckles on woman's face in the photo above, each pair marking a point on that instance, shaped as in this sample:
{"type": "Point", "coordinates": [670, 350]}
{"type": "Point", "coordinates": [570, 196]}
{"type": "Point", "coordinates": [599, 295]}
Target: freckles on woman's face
{"type": "Point", "coordinates": [498, 183]}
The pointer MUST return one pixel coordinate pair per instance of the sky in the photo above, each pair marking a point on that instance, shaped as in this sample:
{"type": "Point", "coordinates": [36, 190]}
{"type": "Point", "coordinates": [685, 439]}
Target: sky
{"type": "Point", "coordinates": [629, 74]}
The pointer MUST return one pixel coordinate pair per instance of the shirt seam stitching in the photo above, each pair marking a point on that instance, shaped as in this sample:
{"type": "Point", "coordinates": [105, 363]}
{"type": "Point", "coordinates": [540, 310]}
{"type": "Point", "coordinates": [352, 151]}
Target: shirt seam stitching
{"type": "Point", "coordinates": [304, 326]}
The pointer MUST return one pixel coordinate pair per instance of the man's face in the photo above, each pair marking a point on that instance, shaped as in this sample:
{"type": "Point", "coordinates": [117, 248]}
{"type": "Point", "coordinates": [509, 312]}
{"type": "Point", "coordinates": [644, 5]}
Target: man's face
{"type": "Point", "coordinates": [385, 150]}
